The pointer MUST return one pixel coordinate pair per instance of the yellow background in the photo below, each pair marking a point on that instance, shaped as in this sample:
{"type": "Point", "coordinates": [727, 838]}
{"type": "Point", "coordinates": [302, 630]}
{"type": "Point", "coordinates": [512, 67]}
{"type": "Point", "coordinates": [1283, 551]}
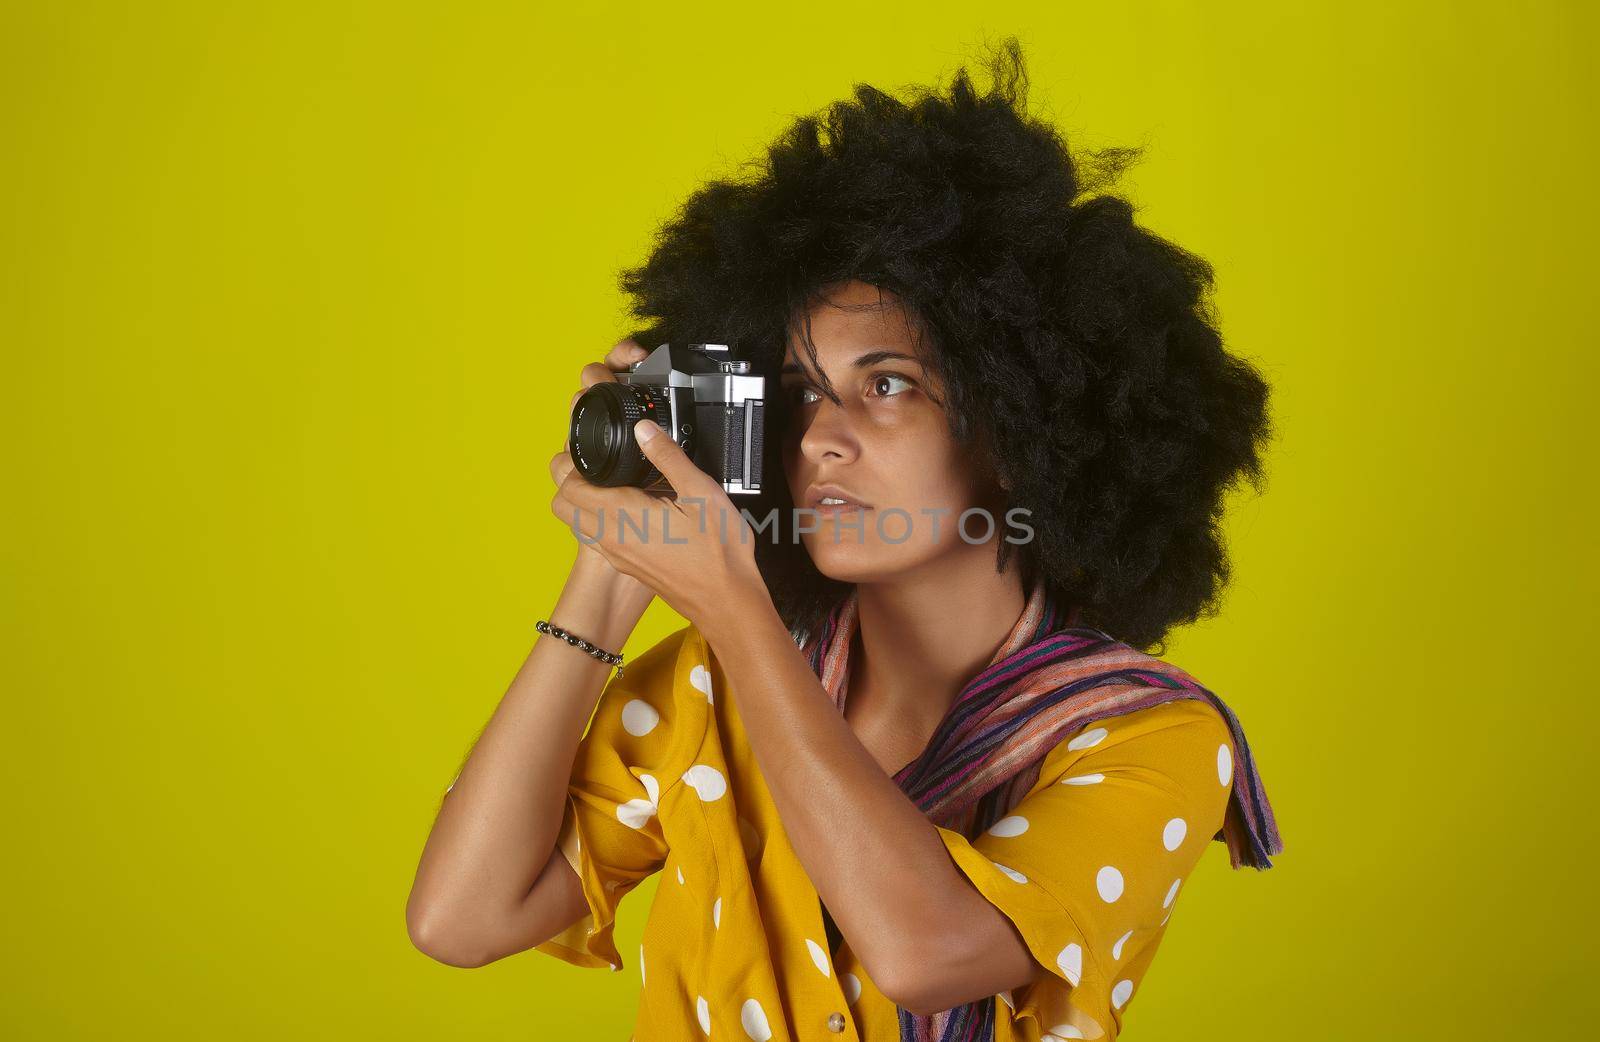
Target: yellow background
{"type": "Point", "coordinates": [292, 301]}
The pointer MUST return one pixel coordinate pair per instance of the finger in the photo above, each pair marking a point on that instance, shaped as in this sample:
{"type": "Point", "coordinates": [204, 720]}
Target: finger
{"type": "Point", "coordinates": [673, 463]}
{"type": "Point", "coordinates": [595, 372]}
{"type": "Point", "coordinates": [617, 518]}
{"type": "Point", "coordinates": [610, 499]}
{"type": "Point", "coordinates": [564, 510]}
{"type": "Point", "coordinates": [625, 354]}
{"type": "Point", "coordinates": [578, 521]}
{"type": "Point", "coordinates": [560, 466]}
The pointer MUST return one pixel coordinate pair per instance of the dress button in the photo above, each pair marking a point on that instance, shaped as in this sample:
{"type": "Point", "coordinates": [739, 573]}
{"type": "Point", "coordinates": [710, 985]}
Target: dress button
{"type": "Point", "coordinates": [835, 1021]}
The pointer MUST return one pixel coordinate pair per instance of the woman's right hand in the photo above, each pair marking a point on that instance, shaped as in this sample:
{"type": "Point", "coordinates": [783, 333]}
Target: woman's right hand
{"type": "Point", "coordinates": [589, 560]}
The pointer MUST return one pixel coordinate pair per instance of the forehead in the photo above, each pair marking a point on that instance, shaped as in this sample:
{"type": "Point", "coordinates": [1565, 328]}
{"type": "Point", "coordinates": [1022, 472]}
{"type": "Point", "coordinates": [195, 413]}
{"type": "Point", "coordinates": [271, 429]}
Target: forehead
{"type": "Point", "coordinates": [847, 319]}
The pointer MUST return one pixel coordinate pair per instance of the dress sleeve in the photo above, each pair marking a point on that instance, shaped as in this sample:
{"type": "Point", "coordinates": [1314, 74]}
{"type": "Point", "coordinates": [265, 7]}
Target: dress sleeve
{"type": "Point", "coordinates": [637, 747]}
{"type": "Point", "coordinates": [1088, 864]}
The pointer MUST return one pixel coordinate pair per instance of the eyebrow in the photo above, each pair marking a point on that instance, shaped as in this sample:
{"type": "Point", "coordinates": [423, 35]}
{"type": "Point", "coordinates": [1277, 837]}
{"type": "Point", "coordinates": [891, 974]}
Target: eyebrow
{"type": "Point", "coordinates": [862, 361]}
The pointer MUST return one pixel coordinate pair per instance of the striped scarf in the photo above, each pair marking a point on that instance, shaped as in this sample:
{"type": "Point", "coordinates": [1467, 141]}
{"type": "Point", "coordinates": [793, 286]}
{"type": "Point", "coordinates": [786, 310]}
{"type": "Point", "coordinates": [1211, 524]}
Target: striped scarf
{"type": "Point", "coordinates": [1050, 679]}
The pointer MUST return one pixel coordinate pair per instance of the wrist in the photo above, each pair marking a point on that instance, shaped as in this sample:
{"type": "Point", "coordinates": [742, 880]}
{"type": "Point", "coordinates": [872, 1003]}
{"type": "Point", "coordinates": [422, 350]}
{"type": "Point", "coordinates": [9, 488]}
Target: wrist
{"type": "Point", "coordinates": [602, 606]}
{"type": "Point", "coordinates": [594, 573]}
{"type": "Point", "coordinates": [739, 617]}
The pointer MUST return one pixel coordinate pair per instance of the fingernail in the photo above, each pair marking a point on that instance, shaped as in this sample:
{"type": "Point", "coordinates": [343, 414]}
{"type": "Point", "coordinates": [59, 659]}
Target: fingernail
{"type": "Point", "coordinates": [644, 430]}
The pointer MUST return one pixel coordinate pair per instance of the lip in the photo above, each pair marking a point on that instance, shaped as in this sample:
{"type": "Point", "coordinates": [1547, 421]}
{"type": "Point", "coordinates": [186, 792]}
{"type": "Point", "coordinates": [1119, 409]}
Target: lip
{"type": "Point", "coordinates": [815, 493]}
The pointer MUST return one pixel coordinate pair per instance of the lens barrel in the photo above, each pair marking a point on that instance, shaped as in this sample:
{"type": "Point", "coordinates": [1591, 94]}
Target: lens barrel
{"type": "Point", "coordinates": [601, 439]}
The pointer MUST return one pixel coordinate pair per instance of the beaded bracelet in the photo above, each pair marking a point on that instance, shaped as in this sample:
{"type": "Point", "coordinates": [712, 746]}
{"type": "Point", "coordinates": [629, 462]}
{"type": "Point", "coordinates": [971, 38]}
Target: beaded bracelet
{"type": "Point", "coordinates": [608, 657]}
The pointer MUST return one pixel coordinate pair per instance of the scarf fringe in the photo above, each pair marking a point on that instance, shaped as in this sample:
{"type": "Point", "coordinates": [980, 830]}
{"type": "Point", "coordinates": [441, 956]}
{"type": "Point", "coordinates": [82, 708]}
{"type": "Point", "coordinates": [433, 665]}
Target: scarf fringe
{"type": "Point", "coordinates": [1249, 827]}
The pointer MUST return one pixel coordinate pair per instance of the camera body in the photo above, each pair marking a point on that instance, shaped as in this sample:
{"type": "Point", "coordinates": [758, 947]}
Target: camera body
{"type": "Point", "coordinates": [708, 403]}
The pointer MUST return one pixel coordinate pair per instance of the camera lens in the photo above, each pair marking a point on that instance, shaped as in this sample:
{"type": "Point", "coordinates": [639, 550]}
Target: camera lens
{"type": "Point", "coordinates": [601, 439]}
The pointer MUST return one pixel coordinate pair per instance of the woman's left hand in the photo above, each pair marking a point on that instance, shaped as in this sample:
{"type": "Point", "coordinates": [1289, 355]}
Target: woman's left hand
{"type": "Point", "coordinates": [696, 551]}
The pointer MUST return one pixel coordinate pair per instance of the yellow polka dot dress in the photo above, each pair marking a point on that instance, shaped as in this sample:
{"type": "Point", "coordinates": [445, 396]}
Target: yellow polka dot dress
{"type": "Point", "coordinates": [1089, 866]}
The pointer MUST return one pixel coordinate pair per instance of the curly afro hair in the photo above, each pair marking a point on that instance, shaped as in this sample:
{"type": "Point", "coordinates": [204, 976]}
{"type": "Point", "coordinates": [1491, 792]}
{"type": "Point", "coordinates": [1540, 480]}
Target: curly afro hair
{"type": "Point", "coordinates": [1079, 352]}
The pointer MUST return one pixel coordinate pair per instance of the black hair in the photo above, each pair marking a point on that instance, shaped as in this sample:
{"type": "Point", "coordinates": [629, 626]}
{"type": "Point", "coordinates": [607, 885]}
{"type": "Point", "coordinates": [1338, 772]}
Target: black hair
{"type": "Point", "coordinates": [1079, 352]}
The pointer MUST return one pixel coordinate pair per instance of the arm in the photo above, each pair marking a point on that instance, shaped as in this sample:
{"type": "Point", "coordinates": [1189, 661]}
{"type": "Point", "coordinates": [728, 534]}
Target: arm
{"type": "Point", "coordinates": [874, 857]}
{"type": "Point", "coordinates": [475, 897]}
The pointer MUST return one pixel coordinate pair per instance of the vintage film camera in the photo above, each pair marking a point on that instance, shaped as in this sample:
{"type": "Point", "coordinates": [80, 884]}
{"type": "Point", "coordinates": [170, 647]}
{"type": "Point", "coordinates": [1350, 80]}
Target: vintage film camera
{"type": "Point", "coordinates": [710, 404]}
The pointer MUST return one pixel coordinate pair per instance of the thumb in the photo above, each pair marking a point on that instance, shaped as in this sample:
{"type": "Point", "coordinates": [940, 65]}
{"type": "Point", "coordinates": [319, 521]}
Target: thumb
{"type": "Point", "coordinates": [669, 458]}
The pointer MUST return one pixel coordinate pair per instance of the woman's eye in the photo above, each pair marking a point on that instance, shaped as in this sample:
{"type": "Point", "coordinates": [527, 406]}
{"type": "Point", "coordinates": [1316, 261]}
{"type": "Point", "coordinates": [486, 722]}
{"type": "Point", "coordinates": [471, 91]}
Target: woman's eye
{"type": "Point", "coordinates": [882, 378]}
{"type": "Point", "coordinates": [881, 386]}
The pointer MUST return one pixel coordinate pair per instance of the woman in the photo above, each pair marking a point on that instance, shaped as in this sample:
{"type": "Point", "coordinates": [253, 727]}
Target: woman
{"type": "Point", "coordinates": [906, 769]}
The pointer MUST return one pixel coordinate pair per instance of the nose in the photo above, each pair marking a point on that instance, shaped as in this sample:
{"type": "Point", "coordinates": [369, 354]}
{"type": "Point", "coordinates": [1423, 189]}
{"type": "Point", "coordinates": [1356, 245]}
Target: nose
{"type": "Point", "coordinates": [829, 437]}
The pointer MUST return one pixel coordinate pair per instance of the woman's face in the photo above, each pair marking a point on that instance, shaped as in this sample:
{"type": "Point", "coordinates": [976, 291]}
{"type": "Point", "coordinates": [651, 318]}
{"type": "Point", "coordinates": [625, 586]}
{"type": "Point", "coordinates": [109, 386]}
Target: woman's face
{"type": "Point", "coordinates": [886, 444]}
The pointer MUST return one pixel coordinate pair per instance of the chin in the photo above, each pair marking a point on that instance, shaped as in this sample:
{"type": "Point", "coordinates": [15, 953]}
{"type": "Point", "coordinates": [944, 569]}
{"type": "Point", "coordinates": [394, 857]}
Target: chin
{"type": "Point", "coordinates": [848, 561]}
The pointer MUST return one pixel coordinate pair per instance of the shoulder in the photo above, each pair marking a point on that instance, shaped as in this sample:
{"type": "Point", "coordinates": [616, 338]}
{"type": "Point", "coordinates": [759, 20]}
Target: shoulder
{"type": "Point", "coordinates": [1185, 738]}
{"type": "Point", "coordinates": [1194, 718]}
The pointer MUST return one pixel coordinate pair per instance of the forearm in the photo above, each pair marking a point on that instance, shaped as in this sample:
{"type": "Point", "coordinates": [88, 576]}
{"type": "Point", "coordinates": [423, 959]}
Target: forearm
{"type": "Point", "coordinates": [498, 823]}
{"type": "Point", "coordinates": [871, 853]}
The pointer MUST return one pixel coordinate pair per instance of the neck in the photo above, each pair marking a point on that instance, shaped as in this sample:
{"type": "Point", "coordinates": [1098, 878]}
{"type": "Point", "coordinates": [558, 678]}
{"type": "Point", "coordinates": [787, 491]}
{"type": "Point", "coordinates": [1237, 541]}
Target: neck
{"type": "Point", "coordinates": [922, 637]}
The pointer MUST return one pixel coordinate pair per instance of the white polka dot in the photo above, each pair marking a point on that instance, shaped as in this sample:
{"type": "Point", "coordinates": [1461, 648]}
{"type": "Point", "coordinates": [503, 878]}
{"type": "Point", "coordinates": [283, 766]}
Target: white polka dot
{"type": "Point", "coordinates": [611, 964]}
{"type": "Point", "coordinates": [680, 875]}
{"type": "Point", "coordinates": [754, 1020]}
{"type": "Point", "coordinates": [1224, 764]}
{"type": "Point", "coordinates": [1116, 949]}
{"type": "Point", "coordinates": [852, 988]}
{"type": "Point", "coordinates": [639, 717]}
{"type": "Point", "coordinates": [1120, 993]}
{"type": "Point", "coordinates": [641, 965]}
{"type": "Point", "coordinates": [1014, 825]}
{"type": "Point", "coordinates": [1087, 738]}
{"type": "Point", "coordinates": [652, 787]}
{"type": "Point", "coordinates": [1164, 919]}
{"type": "Point", "coordinates": [1109, 882]}
{"type": "Point", "coordinates": [1013, 873]}
{"type": "Point", "coordinates": [716, 913]}
{"type": "Point", "coordinates": [635, 813]}
{"type": "Point", "coordinates": [1005, 996]}
{"type": "Point", "coordinates": [1070, 959]}
{"type": "Point", "coordinates": [1172, 835]}
{"type": "Point", "coordinates": [700, 678]}
{"type": "Point", "coordinates": [819, 957]}
{"type": "Point", "coordinates": [703, 1011]}
{"type": "Point", "coordinates": [1084, 779]}
{"type": "Point", "coordinates": [1171, 893]}
{"type": "Point", "coordinates": [1060, 1032]}
{"type": "Point", "coordinates": [707, 782]}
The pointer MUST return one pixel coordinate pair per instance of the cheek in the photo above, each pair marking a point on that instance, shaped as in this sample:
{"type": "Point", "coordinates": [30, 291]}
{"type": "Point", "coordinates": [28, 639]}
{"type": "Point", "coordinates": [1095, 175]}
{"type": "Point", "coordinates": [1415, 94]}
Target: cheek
{"type": "Point", "coordinates": [948, 487]}
{"type": "Point", "coordinates": [931, 470]}
{"type": "Point", "coordinates": [908, 460]}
